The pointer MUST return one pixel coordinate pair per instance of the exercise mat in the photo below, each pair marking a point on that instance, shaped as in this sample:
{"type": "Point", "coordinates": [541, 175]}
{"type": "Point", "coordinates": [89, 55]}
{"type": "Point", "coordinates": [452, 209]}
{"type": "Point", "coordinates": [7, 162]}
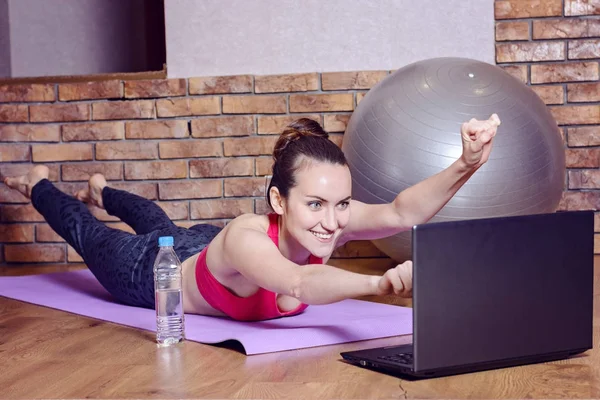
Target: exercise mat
{"type": "Point", "coordinates": [346, 321]}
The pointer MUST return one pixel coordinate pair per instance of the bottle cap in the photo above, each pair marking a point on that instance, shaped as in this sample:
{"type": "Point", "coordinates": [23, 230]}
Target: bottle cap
{"type": "Point", "coordinates": [165, 241]}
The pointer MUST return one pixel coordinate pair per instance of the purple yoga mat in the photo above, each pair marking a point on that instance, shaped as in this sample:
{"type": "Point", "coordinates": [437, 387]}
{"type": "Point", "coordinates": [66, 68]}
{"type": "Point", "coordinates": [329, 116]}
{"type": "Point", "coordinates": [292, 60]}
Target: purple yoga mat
{"type": "Point", "coordinates": [80, 293]}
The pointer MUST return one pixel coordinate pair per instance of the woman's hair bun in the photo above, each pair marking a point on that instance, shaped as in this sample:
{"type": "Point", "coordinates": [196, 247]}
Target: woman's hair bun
{"type": "Point", "coordinates": [303, 127]}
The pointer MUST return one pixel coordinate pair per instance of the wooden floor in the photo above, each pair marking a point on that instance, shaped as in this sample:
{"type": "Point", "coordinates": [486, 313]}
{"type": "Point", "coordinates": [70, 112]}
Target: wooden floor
{"type": "Point", "coordinates": [46, 353]}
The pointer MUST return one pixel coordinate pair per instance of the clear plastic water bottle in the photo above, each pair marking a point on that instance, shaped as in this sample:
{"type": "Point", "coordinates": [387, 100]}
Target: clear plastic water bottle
{"type": "Point", "coordinates": [168, 293]}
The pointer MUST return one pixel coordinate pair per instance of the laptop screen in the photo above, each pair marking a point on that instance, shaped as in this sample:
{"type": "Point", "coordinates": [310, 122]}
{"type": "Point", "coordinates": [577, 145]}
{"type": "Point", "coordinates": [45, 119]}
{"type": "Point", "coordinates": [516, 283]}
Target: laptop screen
{"type": "Point", "coordinates": [502, 288]}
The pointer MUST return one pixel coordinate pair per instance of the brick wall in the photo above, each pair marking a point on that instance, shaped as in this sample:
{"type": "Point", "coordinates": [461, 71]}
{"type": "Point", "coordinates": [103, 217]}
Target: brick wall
{"type": "Point", "coordinates": [554, 46]}
{"type": "Point", "coordinates": [200, 147]}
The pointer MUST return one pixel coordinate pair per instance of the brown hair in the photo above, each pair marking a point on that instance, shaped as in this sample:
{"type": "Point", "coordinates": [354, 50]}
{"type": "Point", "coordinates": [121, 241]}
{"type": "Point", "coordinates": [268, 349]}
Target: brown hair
{"type": "Point", "coordinates": [303, 139]}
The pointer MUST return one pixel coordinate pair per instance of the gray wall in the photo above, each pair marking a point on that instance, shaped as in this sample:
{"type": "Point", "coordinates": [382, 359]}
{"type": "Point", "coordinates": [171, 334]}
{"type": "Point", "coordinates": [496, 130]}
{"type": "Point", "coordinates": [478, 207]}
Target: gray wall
{"type": "Point", "coordinates": [225, 37]}
{"type": "Point", "coordinates": [74, 37]}
{"type": "Point", "coordinates": [4, 40]}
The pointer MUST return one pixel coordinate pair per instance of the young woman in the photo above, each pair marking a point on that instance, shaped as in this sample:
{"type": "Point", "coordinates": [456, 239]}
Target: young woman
{"type": "Point", "coordinates": [259, 266]}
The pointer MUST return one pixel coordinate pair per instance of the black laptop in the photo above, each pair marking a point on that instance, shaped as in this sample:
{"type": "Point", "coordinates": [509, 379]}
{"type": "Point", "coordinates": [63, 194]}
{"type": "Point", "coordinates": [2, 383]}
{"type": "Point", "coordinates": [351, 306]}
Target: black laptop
{"type": "Point", "coordinates": [495, 292]}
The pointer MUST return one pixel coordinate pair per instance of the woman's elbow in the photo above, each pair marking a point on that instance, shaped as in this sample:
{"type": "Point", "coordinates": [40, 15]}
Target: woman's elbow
{"type": "Point", "coordinates": [301, 287]}
{"type": "Point", "coordinates": [296, 288]}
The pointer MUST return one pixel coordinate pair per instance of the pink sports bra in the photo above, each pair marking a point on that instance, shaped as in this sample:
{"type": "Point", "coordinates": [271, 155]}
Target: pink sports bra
{"type": "Point", "coordinates": [261, 305]}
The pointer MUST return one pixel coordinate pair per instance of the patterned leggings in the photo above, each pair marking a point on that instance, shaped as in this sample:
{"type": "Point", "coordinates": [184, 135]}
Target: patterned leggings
{"type": "Point", "coordinates": [122, 262]}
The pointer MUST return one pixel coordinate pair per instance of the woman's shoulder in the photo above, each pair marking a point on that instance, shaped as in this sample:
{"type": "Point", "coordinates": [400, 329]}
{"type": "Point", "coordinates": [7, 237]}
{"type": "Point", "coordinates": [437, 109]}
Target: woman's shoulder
{"type": "Point", "coordinates": [258, 222]}
{"type": "Point", "coordinates": [240, 232]}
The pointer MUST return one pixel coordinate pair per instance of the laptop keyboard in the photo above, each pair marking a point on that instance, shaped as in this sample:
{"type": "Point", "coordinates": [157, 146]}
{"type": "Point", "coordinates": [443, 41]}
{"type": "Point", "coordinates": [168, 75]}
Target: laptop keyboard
{"type": "Point", "coordinates": [400, 358]}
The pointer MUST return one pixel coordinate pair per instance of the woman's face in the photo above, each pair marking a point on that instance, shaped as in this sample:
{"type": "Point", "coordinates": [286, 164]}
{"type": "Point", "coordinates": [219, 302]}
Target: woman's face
{"type": "Point", "coordinates": [318, 207]}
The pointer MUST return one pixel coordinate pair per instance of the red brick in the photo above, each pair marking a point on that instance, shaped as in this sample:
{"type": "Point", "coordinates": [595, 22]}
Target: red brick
{"type": "Point", "coordinates": [337, 139]}
{"type": "Point", "coordinates": [336, 122]}
{"type": "Point", "coordinates": [190, 148]}
{"type": "Point", "coordinates": [44, 233]}
{"type": "Point", "coordinates": [584, 136]}
{"type": "Point", "coordinates": [351, 80]}
{"type": "Point", "coordinates": [93, 131]}
{"type": "Point", "coordinates": [359, 97]}
{"type": "Point", "coordinates": [582, 7]}
{"type": "Point", "coordinates": [583, 158]}
{"type": "Point", "coordinates": [550, 94]}
{"type": "Point", "coordinates": [27, 93]}
{"type": "Point", "coordinates": [219, 167]}
{"type": "Point", "coordinates": [20, 213]}
{"type": "Point", "coordinates": [175, 209]}
{"type": "Point", "coordinates": [73, 256]}
{"type": "Point", "coordinates": [29, 253]}
{"type": "Point", "coordinates": [583, 92]}
{"type": "Point", "coordinates": [90, 90]}
{"type": "Point", "coordinates": [16, 233]}
{"type": "Point", "coordinates": [29, 133]}
{"type": "Point", "coordinates": [221, 84]}
{"type": "Point", "coordinates": [134, 109]}
{"type": "Point", "coordinates": [143, 189]}
{"type": "Point", "coordinates": [529, 51]}
{"type": "Point", "coordinates": [14, 113]}
{"type": "Point", "coordinates": [584, 179]}
{"type": "Point", "coordinates": [286, 83]}
{"type": "Point", "coordinates": [83, 171]}
{"type": "Point", "coordinates": [565, 28]}
{"type": "Point", "coordinates": [563, 134]}
{"type": "Point", "coordinates": [155, 88]}
{"type": "Point", "coordinates": [584, 49]}
{"type": "Point", "coordinates": [62, 152]}
{"type": "Point", "coordinates": [517, 71]}
{"type": "Point", "coordinates": [59, 112]}
{"type": "Point", "coordinates": [261, 207]}
{"type": "Point", "coordinates": [24, 168]}
{"type": "Point", "coordinates": [221, 208]}
{"type": "Point", "coordinates": [569, 72]}
{"type": "Point", "coordinates": [126, 150]}
{"type": "Point", "coordinates": [576, 115]}
{"type": "Point", "coordinates": [321, 102]}
{"type": "Point", "coordinates": [222, 126]}
{"type": "Point", "coordinates": [14, 152]}
{"type": "Point", "coordinates": [580, 201]}
{"type": "Point", "coordinates": [263, 166]}
{"type": "Point", "coordinates": [188, 106]}
{"type": "Point", "coordinates": [156, 170]}
{"type": "Point", "coordinates": [252, 146]}
{"type": "Point", "coordinates": [269, 124]}
{"type": "Point", "coordinates": [162, 129]}
{"type": "Point", "coordinates": [244, 187]}
{"type": "Point", "coordinates": [514, 30]}
{"type": "Point", "coordinates": [71, 188]}
{"type": "Point", "coordinates": [508, 9]}
{"type": "Point", "coordinates": [252, 104]}
{"type": "Point", "coordinates": [8, 195]}
{"type": "Point", "coordinates": [192, 189]}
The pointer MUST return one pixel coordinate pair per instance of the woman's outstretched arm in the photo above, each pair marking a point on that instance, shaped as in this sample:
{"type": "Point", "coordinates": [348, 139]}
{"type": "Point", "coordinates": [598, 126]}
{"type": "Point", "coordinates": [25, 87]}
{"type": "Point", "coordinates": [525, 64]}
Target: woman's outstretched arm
{"type": "Point", "coordinates": [254, 255]}
{"type": "Point", "coordinates": [420, 202]}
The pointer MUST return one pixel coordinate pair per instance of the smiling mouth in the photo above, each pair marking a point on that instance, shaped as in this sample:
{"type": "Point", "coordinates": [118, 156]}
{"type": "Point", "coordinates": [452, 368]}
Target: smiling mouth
{"type": "Point", "coordinates": [323, 236]}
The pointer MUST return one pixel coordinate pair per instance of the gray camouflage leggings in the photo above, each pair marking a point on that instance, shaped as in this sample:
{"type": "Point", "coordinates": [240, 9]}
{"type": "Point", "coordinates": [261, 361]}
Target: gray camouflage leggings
{"type": "Point", "coordinates": [122, 262]}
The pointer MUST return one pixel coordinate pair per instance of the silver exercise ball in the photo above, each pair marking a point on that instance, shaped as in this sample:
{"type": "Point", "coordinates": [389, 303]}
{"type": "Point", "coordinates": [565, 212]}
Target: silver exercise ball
{"type": "Point", "coordinates": [407, 128]}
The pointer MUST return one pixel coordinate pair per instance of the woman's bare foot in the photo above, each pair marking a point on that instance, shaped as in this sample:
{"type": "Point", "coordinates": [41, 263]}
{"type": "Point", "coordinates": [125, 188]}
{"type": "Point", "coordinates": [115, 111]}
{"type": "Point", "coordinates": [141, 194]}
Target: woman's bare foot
{"type": "Point", "coordinates": [25, 183]}
{"type": "Point", "coordinates": [93, 194]}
